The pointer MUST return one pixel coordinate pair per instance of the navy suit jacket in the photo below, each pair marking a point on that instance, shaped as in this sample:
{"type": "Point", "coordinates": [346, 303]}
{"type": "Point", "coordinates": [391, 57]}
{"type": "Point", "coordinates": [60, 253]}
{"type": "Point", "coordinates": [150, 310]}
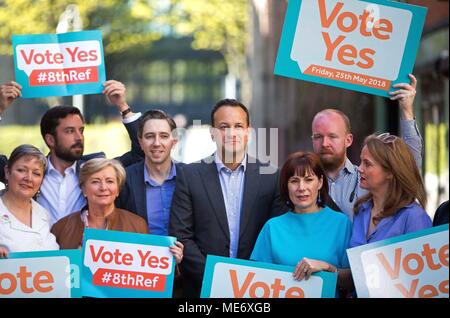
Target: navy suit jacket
{"type": "Point", "coordinates": [132, 197]}
{"type": "Point", "coordinates": [199, 220]}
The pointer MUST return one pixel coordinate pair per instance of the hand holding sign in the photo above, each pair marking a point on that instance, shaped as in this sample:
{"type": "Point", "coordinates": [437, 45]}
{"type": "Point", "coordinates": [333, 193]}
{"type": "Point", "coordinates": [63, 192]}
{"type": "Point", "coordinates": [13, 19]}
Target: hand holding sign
{"type": "Point", "coordinates": [177, 251]}
{"type": "Point", "coordinates": [405, 96]}
{"type": "Point", "coordinates": [3, 252]}
{"type": "Point", "coordinates": [115, 93]}
{"type": "Point", "coordinates": [8, 93]}
{"type": "Point", "coordinates": [306, 267]}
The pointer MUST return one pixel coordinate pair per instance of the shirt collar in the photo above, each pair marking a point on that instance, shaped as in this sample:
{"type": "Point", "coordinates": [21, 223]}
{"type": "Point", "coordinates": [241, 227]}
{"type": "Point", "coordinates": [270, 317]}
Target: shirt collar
{"type": "Point", "coordinates": [38, 219]}
{"type": "Point", "coordinates": [349, 166]}
{"type": "Point", "coordinates": [172, 175]}
{"type": "Point", "coordinates": [220, 165]}
{"type": "Point", "coordinates": [51, 167]}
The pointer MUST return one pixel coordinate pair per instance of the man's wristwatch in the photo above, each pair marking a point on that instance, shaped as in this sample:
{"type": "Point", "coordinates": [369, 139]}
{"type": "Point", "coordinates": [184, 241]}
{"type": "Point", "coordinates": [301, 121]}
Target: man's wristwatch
{"type": "Point", "coordinates": [125, 112]}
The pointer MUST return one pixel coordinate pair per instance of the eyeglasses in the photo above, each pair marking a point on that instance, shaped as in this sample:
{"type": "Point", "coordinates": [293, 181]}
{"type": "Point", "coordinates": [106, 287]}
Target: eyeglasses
{"type": "Point", "coordinates": [387, 138]}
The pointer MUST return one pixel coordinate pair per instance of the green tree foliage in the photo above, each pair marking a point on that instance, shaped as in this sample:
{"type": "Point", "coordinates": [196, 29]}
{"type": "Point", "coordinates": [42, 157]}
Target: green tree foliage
{"type": "Point", "coordinates": [124, 24]}
{"type": "Point", "coordinates": [216, 25]}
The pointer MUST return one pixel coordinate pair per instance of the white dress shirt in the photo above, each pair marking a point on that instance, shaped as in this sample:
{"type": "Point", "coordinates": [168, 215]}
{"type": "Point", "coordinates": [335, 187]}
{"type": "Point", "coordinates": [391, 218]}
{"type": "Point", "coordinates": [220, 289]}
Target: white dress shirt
{"type": "Point", "coordinates": [18, 237]}
{"type": "Point", "coordinates": [60, 194]}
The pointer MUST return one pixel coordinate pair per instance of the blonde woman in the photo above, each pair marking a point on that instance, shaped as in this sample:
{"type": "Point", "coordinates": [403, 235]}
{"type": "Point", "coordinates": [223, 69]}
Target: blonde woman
{"type": "Point", "coordinates": [100, 181]}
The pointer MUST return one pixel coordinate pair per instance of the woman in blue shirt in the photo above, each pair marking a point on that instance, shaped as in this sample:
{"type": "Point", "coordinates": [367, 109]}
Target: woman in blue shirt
{"type": "Point", "coordinates": [394, 204]}
{"type": "Point", "coordinates": [311, 236]}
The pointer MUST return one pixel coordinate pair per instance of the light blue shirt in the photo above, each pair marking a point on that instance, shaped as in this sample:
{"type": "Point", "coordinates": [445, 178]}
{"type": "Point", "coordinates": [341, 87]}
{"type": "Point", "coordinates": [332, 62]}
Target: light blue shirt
{"type": "Point", "coordinates": [409, 219]}
{"type": "Point", "coordinates": [345, 189]}
{"type": "Point", "coordinates": [232, 184]}
{"type": "Point", "coordinates": [159, 200]}
{"type": "Point", "coordinates": [60, 194]}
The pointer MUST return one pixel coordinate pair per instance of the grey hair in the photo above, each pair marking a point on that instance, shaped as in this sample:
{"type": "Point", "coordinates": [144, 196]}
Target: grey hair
{"type": "Point", "coordinates": [26, 150]}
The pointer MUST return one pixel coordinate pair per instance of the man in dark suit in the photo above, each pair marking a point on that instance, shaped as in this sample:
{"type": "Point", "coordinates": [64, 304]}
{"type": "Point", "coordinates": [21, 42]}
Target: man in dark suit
{"type": "Point", "coordinates": [150, 183]}
{"type": "Point", "coordinates": [441, 215]}
{"type": "Point", "coordinates": [62, 128]}
{"type": "Point", "coordinates": [220, 204]}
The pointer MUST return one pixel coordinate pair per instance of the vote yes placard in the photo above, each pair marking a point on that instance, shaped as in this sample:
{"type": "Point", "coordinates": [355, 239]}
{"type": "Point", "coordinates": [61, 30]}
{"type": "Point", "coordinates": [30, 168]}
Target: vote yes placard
{"type": "Point", "coordinates": [360, 45]}
{"type": "Point", "coordinates": [121, 264]}
{"type": "Point", "coordinates": [59, 64]}
{"type": "Point", "coordinates": [414, 265]}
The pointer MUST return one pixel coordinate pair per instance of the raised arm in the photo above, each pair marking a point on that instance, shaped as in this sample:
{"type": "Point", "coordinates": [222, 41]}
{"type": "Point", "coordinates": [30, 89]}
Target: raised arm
{"type": "Point", "coordinates": [408, 128]}
{"type": "Point", "coordinates": [115, 92]}
{"type": "Point", "coordinates": [8, 93]}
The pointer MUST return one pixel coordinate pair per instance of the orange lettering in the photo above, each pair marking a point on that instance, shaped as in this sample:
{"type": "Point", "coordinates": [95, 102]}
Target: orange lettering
{"type": "Point", "coordinates": [47, 278]}
{"type": "Point", "coordinates": [393, 273]}
{"type": "Point", "coordinates": [443, 286]}
{"type": "Point", "coordinates": [418, 259]}
{"type": "Point", "coordinates": [295, 292]}
{"type": "Point", "coordinates": [412, 290]}
{"type": "Point", "coordinates": [383, 25]}
{"type": "Point", "coordinates": [364, 18]}
{"type": "Point", "coordinates": [12, 283]}
{"type": "Point", "coordinates": [23, 275]}
{"type": "Point", "coordinates": [324, 20]}
{"type": "Point", "coordinates": [443, 255]}
{"type": "Point", "coordinates": [264, 286]}
{"type": "Point", "coordinates": [277, 287]}
{"type": "Point", "coordinates": [240, 292]}
{"type": "Point", "coordinates": [433, 291]}
{"type": "Point", "coordinates": [331, 46]}
{"type": "Point", "coordinates": [364, 54]}
{"type": "Point", "coordinates": [428, 253]}
{"type": "Point", "coordinates": [347, 51]}
{"type": "Point", "coordinates": [353, 22]}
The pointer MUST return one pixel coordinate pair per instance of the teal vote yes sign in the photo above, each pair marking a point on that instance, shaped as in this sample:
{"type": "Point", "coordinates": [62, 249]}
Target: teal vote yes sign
{"type": "Point", "coordinates": [44, 274]}
{"type": "Point", "coordinates": [366, 46]}
{"type": "Point", "coordinates": [236, 278]}
{"type": "Point", "coordinates": [59, 64]}
{"type": "Point", "coordinates": [413, 265]}
{"type": "Point", "coordinates": [127, 265]}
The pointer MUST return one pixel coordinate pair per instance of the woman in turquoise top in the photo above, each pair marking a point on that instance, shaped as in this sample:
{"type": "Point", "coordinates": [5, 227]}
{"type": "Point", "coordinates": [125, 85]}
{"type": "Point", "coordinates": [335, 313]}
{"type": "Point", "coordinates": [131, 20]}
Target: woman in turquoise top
{"type": "Point", "coordinates": [311, 236]}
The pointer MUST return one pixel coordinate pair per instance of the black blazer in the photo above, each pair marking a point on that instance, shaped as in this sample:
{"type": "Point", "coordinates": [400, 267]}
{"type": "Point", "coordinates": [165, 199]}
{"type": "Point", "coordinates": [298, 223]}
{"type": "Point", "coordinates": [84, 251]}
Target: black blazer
{"type": "Point", "coordinates": [3, 161]}
{"type": "Point", "coordinates": [132, 197]}
{"type": "Point", "coordinates": [198, 217]}
{"type": "Point", "coordinates": [134, 155]}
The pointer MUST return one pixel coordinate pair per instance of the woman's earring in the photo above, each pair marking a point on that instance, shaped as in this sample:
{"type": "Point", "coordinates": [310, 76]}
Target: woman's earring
{"type": "Point", "coordinates": [318, 197]}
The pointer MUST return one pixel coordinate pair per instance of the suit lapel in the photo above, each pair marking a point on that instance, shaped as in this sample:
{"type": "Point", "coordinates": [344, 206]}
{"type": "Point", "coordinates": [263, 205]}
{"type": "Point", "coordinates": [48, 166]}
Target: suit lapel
{"type": "Point", "coordinates": [213, 189]}
{"type": "Point", "coordinates": [251, 185]}
{"type": "Point", "coordinates": [140, 197]}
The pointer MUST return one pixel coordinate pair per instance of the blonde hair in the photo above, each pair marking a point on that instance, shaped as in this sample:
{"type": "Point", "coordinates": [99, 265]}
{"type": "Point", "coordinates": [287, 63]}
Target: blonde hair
{"type": "Point", "coordinates": [97, 164]}
{"type": "Point", "coordinates": [406, 185]}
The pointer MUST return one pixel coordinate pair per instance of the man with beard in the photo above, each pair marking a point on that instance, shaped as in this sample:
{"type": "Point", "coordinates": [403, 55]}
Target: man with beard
{"type": "Point", "coordinates": [62, 128]}
{"type": "Point", "coordinates": [331, 136]}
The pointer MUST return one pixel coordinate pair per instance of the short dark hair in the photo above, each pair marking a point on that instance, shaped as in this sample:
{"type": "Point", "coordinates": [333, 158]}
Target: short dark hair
{"type": "Point", "coordinates": [155, 114]}
{"type": "Point", "coordinates": [299, 163]}
{"type": "Point", "coordinates": [231, 103]}
{"type": "Point", "coordinates": [51, 118]}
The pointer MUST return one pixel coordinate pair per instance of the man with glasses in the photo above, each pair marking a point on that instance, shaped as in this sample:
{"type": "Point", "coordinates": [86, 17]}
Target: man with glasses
{"type": "Point", "coordinates": [331, 136]}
